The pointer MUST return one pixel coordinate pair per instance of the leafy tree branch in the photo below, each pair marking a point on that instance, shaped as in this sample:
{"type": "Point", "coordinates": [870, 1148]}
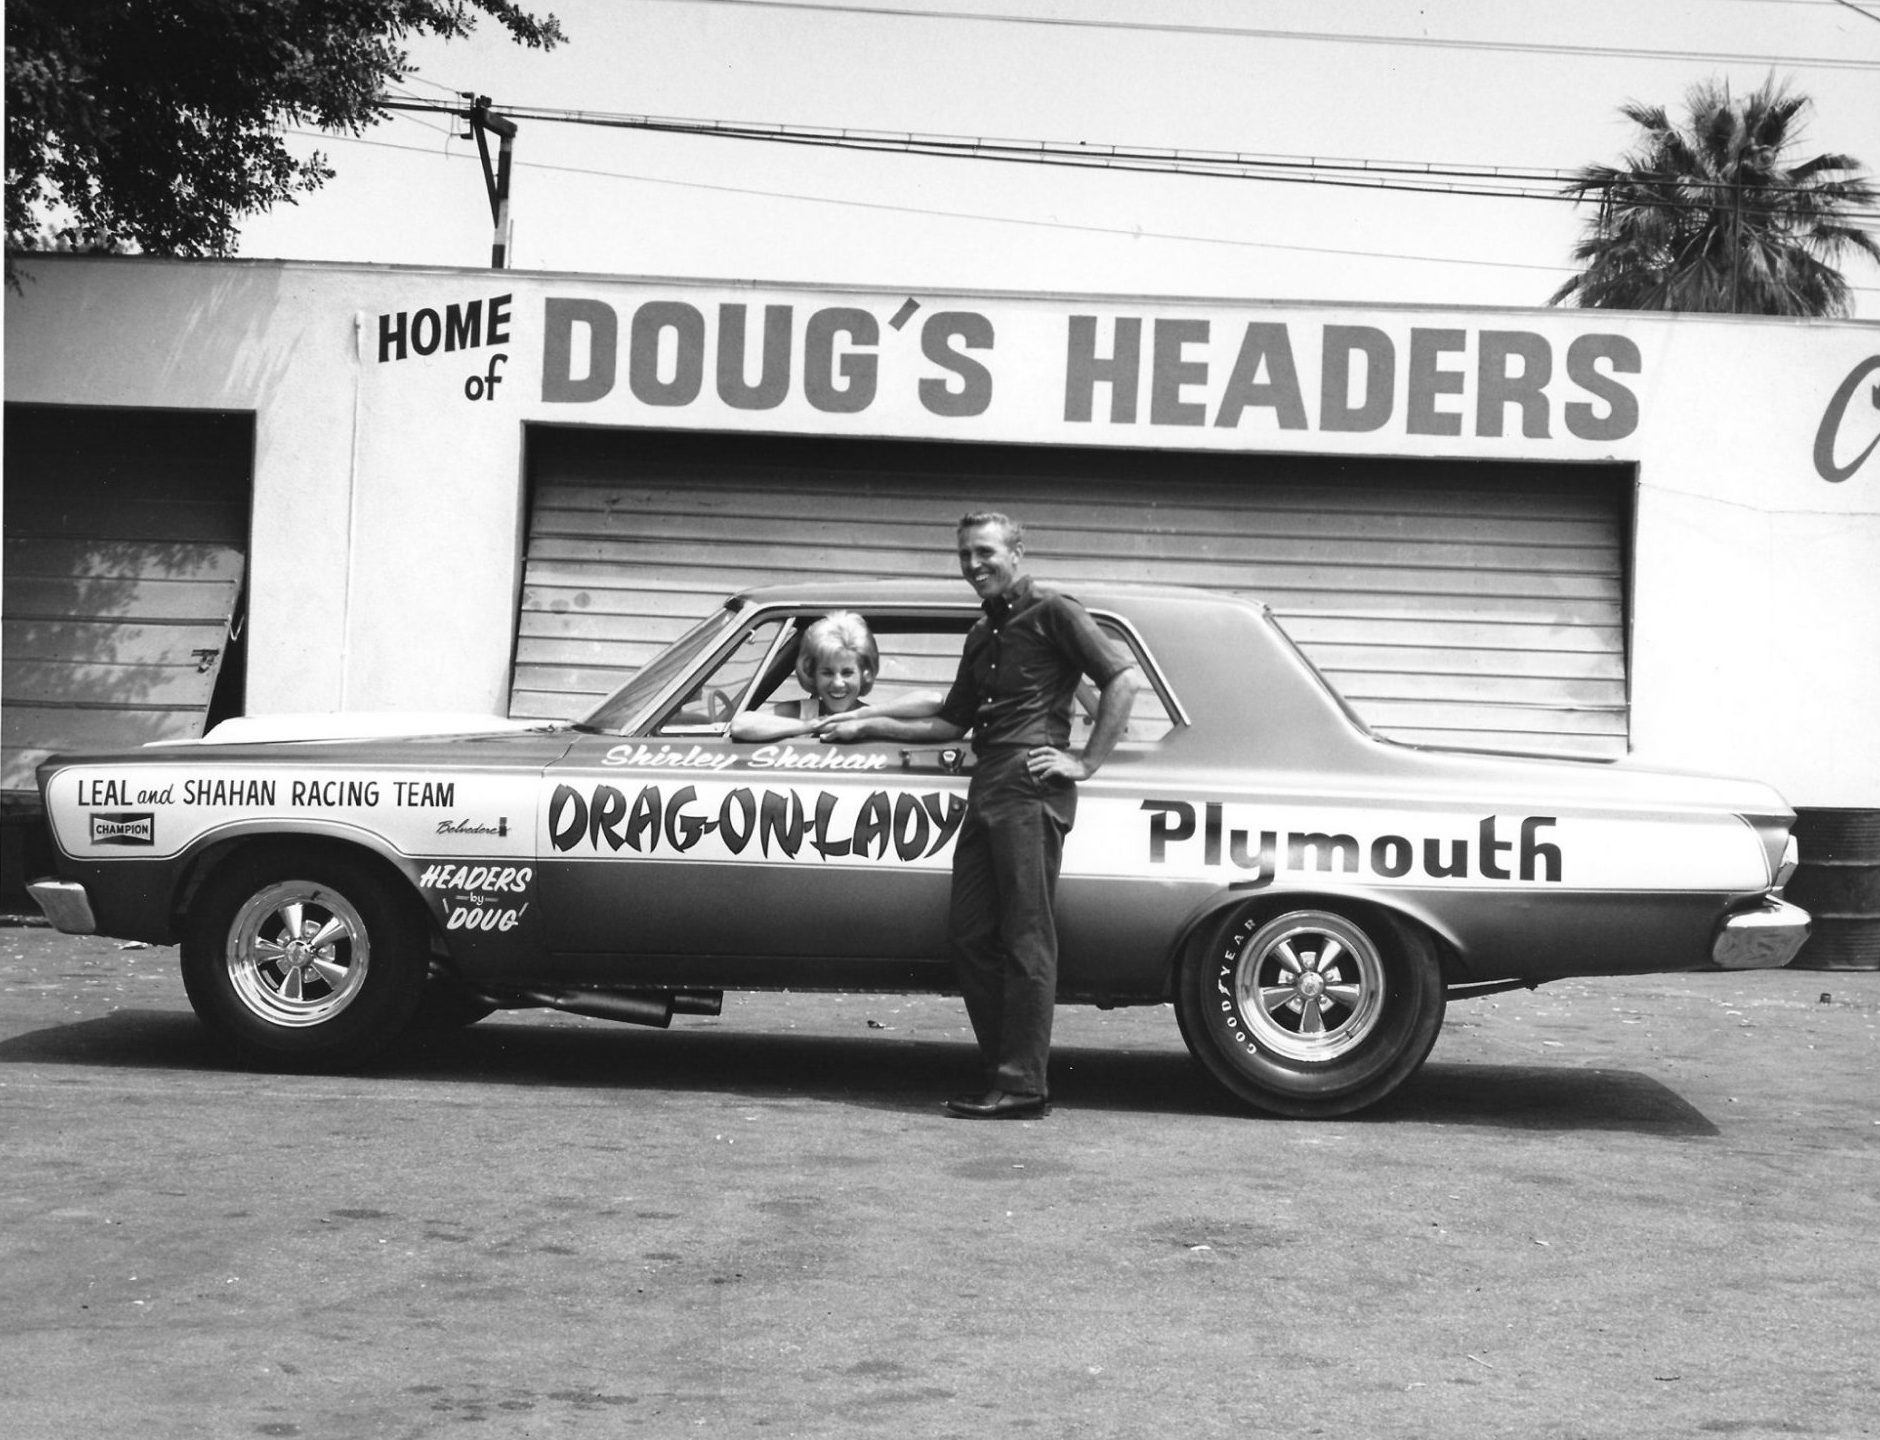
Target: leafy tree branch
{"type": "Point", "coordinates": [155, 125]}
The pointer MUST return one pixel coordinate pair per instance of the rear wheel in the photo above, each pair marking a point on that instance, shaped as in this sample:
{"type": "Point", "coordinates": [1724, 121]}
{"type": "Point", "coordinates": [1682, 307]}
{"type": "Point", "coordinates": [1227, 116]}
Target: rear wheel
{"type": "Point", "coordinates": [303, 958]}
{"type": "Point", "coordinates": [1311, 1012]}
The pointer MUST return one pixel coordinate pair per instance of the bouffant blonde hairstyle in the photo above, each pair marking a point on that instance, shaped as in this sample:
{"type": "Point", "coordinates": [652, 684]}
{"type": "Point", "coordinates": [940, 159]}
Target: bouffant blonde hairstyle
{"type": "Point", "coordinates": [837, 631]}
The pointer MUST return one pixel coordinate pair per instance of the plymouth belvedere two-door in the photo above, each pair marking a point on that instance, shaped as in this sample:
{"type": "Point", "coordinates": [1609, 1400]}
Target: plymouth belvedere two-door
{"type": "Point", "coordinates": [1308, 895]}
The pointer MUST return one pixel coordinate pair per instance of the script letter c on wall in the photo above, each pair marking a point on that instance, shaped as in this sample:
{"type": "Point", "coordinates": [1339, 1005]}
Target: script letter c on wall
{"type": "Point", "coordinates": [1831, 419]}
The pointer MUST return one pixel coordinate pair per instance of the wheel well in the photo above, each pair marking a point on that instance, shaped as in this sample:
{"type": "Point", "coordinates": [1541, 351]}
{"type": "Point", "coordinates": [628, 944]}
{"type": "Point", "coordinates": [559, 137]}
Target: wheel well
{"type": "Point", "coordinates": [1264, 906]}
{"type": "Point", "coordinates": [215, 858]}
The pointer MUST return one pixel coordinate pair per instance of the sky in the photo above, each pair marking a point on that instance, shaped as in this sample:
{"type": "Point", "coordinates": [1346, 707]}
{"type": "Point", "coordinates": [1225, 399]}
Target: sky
{"type": "Point", "coordinates": [1527, 84]}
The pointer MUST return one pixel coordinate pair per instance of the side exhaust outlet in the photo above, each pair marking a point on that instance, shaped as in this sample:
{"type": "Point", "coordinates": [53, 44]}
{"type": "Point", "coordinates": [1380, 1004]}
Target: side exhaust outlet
{"type": "Point", "coordinates": [631, 1007]}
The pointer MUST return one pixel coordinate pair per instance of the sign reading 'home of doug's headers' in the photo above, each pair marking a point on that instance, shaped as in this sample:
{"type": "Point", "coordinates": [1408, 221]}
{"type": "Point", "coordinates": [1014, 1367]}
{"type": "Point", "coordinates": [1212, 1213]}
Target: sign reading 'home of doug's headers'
{"type": "Point", "coordinates": [1103, 371]}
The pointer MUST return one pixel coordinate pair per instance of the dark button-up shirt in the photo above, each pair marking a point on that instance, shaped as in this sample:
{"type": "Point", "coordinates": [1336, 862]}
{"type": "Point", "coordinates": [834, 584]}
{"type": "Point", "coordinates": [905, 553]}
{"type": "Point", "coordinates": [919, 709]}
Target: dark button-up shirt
{"type": "Point", "coordinates": [1020, 667]}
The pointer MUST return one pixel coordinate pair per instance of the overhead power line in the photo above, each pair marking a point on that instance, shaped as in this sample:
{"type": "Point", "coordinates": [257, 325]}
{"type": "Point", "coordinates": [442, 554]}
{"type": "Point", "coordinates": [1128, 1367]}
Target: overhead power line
{"type": "Point", "coordinates": [1131, 231]}
{"type": "Point", "coordinates": [1403, 176]}
{"type": "Point", "coordinates": [1326, 37]}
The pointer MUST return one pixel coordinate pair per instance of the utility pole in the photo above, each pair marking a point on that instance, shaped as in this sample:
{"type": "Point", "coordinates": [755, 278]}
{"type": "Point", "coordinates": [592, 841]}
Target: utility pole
{"type": "Point", "coordinates": [484, 120]}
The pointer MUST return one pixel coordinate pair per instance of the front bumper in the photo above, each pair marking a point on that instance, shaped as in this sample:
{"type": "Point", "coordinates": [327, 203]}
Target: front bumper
{"type": "Point", "coordinates": [1765, 938]}
{"type": "Point", "coordinates": [66, 904]}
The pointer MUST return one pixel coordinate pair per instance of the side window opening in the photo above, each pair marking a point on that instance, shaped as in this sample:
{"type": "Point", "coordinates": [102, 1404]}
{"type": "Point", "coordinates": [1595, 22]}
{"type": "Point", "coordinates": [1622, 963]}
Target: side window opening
{"type": "Point", "coordinates": [1149, 719]}
{"type": "Point", "coordinates": [913, 660]}
{"type": "Point", "coordinates": [919, 653]}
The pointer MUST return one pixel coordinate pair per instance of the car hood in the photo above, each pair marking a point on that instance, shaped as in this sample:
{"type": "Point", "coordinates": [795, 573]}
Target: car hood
{"type": "Point", "coordinates": [358, 725]}
{"type": "Point", "coordinates": [435, 741]}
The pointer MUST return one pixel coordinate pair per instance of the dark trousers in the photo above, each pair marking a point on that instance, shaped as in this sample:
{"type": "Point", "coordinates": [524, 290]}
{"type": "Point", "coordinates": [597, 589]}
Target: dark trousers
{"type": "Point", "coordinates": [1003, 926]}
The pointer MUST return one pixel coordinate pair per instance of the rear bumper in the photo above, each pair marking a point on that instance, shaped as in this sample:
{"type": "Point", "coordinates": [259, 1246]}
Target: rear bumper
{"type": "Point", "coordinates": [1765, 938]}
{"type": "Point", "coordinates": [66, 904]}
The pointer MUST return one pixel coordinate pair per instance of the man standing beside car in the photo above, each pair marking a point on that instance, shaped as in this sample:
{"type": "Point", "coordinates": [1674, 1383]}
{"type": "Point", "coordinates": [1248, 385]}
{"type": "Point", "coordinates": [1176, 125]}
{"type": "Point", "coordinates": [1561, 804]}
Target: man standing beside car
{"type": "Point", "coordinates": [1018, 676]}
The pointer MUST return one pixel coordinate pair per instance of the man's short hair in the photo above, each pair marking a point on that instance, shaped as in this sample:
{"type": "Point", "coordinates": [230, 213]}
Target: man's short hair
{"type": "Point", "coordinates": [1014, 532]}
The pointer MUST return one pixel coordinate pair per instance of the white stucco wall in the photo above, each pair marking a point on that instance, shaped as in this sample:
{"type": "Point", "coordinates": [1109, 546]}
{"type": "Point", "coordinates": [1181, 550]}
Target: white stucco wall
{"type": "Point", "coordinates": [388, 501]}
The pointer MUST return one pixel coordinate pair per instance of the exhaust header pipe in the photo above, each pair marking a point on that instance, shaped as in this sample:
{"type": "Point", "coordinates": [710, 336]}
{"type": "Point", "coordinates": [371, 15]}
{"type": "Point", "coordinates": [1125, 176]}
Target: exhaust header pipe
{"type": "Point", "coordinates": [631, 1007]}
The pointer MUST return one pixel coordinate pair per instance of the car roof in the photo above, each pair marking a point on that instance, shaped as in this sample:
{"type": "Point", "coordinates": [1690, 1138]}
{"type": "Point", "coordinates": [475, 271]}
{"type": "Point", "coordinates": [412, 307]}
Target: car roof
{"type": "Point", "coordinates": [955, 594]}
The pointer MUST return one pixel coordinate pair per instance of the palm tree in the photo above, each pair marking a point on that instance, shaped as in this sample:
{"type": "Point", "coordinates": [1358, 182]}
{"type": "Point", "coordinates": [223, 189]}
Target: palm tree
{"type": "Point", "coordinates": [1712, 216]}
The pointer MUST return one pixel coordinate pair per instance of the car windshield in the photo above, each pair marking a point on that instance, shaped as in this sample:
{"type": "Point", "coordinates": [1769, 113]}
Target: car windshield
{"type": "Point", "coordinates": [618, 710]}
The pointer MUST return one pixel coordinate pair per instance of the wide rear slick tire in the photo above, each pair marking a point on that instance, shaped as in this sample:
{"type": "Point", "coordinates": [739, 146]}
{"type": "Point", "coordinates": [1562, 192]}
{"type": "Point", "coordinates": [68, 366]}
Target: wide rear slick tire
{"type": "Point", "coordinates": [303, 958]}
{"type": "Point", "coordinates": [1311, 1012]}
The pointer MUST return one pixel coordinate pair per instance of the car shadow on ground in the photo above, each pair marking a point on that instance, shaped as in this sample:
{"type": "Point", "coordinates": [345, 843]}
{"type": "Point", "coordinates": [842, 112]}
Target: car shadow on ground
{"type": "Point", "coordinates": [879, 1072]}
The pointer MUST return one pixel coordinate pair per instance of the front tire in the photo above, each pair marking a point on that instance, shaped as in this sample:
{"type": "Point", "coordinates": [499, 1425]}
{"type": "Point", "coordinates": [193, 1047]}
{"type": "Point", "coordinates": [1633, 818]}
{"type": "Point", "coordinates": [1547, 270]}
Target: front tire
{"type": "Point", "coordinates": [303, 959]}
{"type": "Point", "coordinates": [1311, 1013]}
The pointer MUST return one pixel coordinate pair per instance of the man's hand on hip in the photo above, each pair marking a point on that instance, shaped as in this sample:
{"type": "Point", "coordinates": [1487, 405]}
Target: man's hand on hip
{"type": "Point", "coordinates": [1046, 763]}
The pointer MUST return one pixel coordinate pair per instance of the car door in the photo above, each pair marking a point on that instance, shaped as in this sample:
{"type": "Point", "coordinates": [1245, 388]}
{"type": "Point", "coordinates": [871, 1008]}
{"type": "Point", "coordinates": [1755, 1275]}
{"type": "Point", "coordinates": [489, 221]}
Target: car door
{"type": "Point", "coordinates": [681, 854]}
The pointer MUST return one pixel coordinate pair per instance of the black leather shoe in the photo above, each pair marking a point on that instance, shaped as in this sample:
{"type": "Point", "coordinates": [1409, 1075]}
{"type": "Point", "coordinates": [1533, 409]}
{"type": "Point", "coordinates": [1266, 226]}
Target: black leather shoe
{"type": "Point", "coordinates": [999, 1105]}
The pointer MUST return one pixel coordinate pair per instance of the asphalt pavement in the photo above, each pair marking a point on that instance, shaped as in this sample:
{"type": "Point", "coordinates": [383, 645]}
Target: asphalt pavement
{"type": "Point", "coordinates": [1624, 1208]}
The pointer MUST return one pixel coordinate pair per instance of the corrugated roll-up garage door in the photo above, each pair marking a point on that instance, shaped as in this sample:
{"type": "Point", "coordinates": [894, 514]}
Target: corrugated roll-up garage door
{"type": "Point", "coordinates": [1452, 604]}
{"type": "Point", "coordinates": [126, 532]}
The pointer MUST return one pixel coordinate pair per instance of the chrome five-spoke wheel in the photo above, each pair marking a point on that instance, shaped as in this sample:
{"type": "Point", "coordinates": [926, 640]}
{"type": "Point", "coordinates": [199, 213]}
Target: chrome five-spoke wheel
{"type": "Point", "coordinates": [298, 954]}
{"type": "Point", "coordinates": [1310, 987]}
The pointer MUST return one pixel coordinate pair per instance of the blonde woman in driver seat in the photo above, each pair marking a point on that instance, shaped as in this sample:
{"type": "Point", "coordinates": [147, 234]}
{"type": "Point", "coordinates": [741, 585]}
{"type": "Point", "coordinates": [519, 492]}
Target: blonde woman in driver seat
{"type": "Point", "coordinates": [836, 663]}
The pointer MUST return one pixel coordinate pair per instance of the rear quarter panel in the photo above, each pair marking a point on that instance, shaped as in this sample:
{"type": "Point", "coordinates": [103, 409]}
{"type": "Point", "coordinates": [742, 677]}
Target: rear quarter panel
{"type": "Point", "coordinates": [455, 817]}
{"type": "Point", "coordinates": [1274, 794]}
{"type": "Point", "coordinates": [1515, 886]}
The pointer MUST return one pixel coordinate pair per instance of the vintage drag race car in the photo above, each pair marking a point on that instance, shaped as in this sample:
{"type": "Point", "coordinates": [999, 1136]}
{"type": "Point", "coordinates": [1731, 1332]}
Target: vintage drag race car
{"type": "Point", "coordinates": [1308, 895]}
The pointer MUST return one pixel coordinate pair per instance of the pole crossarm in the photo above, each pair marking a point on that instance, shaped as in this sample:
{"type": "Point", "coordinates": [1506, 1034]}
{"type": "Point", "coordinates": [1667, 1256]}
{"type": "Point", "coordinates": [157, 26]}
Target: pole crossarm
{"type": "Point", "coordinates": [483, 122]}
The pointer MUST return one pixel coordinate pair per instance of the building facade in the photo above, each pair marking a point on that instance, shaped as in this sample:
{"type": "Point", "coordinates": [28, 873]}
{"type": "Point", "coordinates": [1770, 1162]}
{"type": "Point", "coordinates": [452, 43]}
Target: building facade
{"type": "Point", "coordinates": [254, 487]}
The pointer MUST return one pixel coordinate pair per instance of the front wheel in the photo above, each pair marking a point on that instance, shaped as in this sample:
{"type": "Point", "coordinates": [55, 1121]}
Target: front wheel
{"type": "Point", "coordinates": [1311, 1013]}
{"type": "Point", "coordinates": [303, 958]}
